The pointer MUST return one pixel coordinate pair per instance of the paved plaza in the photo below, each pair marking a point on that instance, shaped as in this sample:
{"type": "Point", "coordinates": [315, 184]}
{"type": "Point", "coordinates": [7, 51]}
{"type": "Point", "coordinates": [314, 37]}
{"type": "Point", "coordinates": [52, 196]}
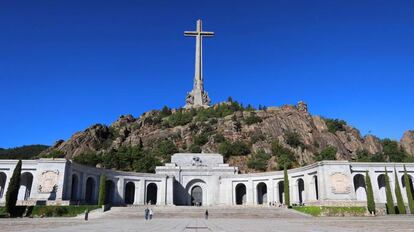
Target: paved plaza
{"type": "Point", "coordinates": [130, 224]}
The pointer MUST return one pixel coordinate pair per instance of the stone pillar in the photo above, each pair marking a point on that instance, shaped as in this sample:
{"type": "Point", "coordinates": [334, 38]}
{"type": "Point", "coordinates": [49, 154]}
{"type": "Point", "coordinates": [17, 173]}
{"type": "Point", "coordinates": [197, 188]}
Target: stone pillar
{"type": "Point", "coordinates": [170, 190]}
{"type": "Point", "coordinates": [120, 192]}
{"type": "Point", "coordinates": [142, 193]}
{"type": "Point", "coordinates": [250, 193]}
{"type": "Point", "coordinates": [270, 191]}
{"type": "Point", "coordinates": [137, 192]}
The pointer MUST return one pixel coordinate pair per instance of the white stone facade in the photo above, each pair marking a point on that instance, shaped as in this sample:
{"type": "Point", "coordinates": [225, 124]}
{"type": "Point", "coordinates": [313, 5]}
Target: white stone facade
{"type": "Point", "coordinates": [200, 179]}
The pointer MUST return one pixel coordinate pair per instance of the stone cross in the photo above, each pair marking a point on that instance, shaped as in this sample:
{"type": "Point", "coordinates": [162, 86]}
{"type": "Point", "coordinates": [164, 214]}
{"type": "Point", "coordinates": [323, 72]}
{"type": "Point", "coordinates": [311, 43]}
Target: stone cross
{"type": "Point", "coordinates": [198, 97]}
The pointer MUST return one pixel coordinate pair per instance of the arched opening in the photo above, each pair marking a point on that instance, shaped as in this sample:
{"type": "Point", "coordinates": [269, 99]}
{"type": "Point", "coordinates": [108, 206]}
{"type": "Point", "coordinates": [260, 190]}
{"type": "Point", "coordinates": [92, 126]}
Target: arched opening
{"type": "Point", "coordinates": [26, 181]}
{"type": "Point", "coordinates": [315, 180]}
{"type": "Point", "coordinates": [197, 196]}
{"type": "Point", "coordinates": [410, 179]}
{"type": "Point", "coordinates": [74, 191]}
{"type": "Point", "coordinates": [129, 193]}
{"type": "Point", "coordinates": [109, 192]}
{"type": "Point", "coordinates": [281, 187]}
{"type": "Point", "coordinates": [301, 189]}
{"type": "Point", "coordinates": [2, 183]}
{"type": "Point", "coordinates": [359, 186]}
{"type": "Point", "coordinates": [240, 194]}
{"type": "Point", "coordinates": [261, 193]}
{"type": "Point", "coordinates": [381, 188]}
{"type": "Point", "coordinates": [90, 190]}
{"type": "Point", "coordinates": [152, 194]}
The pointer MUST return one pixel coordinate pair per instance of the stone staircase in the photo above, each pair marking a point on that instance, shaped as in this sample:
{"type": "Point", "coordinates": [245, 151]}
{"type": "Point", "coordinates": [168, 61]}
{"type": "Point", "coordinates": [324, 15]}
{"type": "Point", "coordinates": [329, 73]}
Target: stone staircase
{"type": "Point", "coordinates": [198, 212]}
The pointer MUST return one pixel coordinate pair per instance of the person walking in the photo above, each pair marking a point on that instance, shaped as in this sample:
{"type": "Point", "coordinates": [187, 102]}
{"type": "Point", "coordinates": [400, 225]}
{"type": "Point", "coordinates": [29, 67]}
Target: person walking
{"type": "Point", "coordinates": [150, 214]}
{"type": "Point", "coordinates": [206, 214]}
{"type": "Point", "coordinates": [146, 212]}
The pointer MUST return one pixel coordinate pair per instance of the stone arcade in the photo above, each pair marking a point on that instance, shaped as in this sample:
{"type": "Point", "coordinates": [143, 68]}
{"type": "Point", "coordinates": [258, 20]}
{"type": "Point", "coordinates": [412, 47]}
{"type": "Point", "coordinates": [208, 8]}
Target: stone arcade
{"type": "Point", "coordinates": [199, 179]}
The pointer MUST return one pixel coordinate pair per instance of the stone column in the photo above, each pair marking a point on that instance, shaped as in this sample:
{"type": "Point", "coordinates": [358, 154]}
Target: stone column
{"type": "Point", "coordinates": [142, 189]}
{"type": "Point", "coordinates": [170, 190]}
{"type": "Point", "coordinates": [250, 193]}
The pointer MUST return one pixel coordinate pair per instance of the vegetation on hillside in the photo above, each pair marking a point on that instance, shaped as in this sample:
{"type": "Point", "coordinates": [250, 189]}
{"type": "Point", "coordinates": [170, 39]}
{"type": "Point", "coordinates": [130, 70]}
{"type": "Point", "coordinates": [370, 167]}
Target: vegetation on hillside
{"type": "Point", "coordinates": [23, 152]}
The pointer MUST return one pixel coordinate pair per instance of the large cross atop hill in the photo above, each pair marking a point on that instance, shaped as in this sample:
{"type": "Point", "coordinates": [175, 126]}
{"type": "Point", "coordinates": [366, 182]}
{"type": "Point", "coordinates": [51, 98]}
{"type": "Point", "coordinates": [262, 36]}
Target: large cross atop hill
{"type": "Point", "coordinates": [198, 97]}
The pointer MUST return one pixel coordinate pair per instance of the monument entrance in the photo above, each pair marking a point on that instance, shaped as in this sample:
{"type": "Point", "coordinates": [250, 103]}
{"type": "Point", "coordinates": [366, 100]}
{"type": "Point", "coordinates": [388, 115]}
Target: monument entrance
{"type": "Point", "coordinates": [196, 196]}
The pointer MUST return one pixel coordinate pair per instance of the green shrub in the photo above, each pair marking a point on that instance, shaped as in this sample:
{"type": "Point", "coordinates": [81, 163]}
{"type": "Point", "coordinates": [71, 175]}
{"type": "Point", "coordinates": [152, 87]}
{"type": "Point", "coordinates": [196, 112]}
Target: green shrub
{"type": "Point", "coordinates": [53, 154]}
{"type": "Point", "coordinates": [398, 195]}
{"type": "Point", "coordinates": [194, 148]}
{"type": "Point", "coordinates": [335, 125]}
{"type": "Point", "coordinates": [293, 139]}
{"type": "Point", "coordinates": [252, 119]}
{"type": "Point", "coordinates": [180, 118]}
{"type": "Point", "coordinates": [393, 151]}
{"type": "Point", "coordinates": [258, 161]}
{"type": "Point", "coordinates": [201, 139]}
{"type": "Point", "coordinates": [284, 156]}
{"type": "Point", "coordinates": [328, 153]}
{"type": "Point", "coordinates": [370, 194]}
{"type": "Point", "coordinates": [390, 201]}
{"type": "Point", "coordinates": [13, 190]}
{"type": "Point", "coordinates": [219, 138]}
{"type": "Point", "coordinates": [228, 149]}
{"type": "Point", "coordinates": [102, 190]}
{"type": "Point", "coordinates": [165, 112]}
{"type": "Point", "coordinates": [408, 191]}
{"type": "Point", "coordinates": [88, 158]}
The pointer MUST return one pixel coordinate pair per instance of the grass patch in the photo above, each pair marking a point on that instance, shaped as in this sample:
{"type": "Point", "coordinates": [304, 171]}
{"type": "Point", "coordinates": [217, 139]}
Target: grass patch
{"type": "Point", "coordinates": [53, 211]}
{"type": "Point", "coordinates": [332, 210]}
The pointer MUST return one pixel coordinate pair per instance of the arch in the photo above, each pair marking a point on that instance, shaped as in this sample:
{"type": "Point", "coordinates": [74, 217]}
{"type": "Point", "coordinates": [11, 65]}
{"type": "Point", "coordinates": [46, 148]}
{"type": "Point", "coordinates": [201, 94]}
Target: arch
{"type": "Point", "coordinates": [90, 190]}
{"type": "Point", "coordinates": [3, 178]}
{"type": "Point", "coordinates": [410, 179]}
{"type": "Point", "coordinates": [109, 192]}
{"type": "Point", "coordinates": [261, 190]}
{"type": "Point", "coordinates": [197, 196]}
{"type": "Point", "coordinates": [26, 181]}
{"type": "Point", "coordinates": [240, 194]}
{"type": "Point", "coordinates": [129, 193]}
{"type": "Point", "coordinates": [301, 189]}
{"type": "Point", "coordinates": [152, 190]}
{"type": "Point", "coordinates": [188, 190]}
{"type": "Point", "coordinates": [315, 180]}
{"type": "Point", "coordinates": [359, 186]}
{"type": "Point", "coordinates": [75, 188]}
{"type": "Point", "coordinates": [381, 188]}
{"type": "Point", "coordinates": [281, 187]}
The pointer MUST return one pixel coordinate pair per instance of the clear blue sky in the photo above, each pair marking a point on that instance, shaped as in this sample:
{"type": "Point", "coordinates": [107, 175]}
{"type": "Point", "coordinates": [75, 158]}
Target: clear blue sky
{"type": "Point", "coordinates": [65, 65]}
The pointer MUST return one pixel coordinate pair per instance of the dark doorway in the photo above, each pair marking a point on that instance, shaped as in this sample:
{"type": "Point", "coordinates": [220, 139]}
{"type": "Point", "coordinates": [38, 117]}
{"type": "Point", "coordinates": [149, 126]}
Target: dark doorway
{"type": "Point", "coordinates": [26, 181]}
{"type": "Point", "coordinates": [109, 192]}
{"type": "Point", "coordinates": [2, 183]}
{"type": "Point", "coordinates": [281, 187]}
{"type": "Point", "coordinates": [129, 193]}
{"type": "Point", "coordinates": [301, 188]}
{"type": "Point", "coordinates": [74, 192]}
{"type": "Point", "coordinates": [315, 178]}
{"type": "Point", "coordinates": [152, 194]}
{"type": "Point", "coordinates": [90, 190]}
{"type": "Point", "coordinates": [240, 194]}
{"type": "Point", "coordinates": [197, 196]}
{"type": "Point", "coordinates": [261, 193]}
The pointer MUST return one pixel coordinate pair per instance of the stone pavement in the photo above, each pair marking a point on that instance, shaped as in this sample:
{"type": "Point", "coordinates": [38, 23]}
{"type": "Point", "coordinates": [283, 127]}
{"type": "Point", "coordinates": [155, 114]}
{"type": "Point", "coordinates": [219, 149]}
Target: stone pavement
{"type": "Point", "coordinates": [190, 219]}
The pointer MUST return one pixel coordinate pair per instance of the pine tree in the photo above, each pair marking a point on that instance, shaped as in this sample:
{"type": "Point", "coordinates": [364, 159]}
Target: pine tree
{"type": "Point", "coordinates": [390, 201]}
{"type": "Point", "coordinates": [409, 191]}
{"type": "Point", "coordinates": [13, 190]}
{"type": "Point", "coordinates": [286, 187]}
{"type": "Point", "coordinates": [398, 195]}
{"type": "Point", "coordinates": [102, 190]}
{"type": "Point", "coordinates": [370, 194]}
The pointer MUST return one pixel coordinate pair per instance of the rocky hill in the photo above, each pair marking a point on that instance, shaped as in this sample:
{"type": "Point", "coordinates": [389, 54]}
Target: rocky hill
{"type": "Point", "coordinates": [253, 139]}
